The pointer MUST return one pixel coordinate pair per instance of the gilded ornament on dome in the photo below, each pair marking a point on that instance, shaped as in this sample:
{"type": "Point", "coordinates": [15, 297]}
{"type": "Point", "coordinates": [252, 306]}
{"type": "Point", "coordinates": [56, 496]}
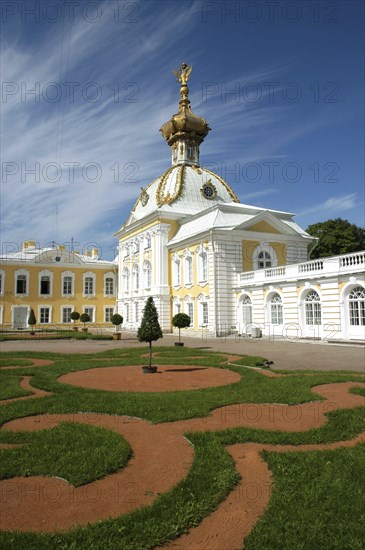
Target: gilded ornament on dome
{"type": "Point", "coordinates": [144, 197]}
{"type": "Point", "coordinates": [208, 190]}
{"type": "Point", "coordinates": [183, 73]}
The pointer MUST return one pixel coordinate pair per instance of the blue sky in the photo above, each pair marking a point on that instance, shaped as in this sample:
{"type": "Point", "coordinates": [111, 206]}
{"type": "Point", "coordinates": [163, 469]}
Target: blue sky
{"type": "Point", "coordinates": [76, 151]}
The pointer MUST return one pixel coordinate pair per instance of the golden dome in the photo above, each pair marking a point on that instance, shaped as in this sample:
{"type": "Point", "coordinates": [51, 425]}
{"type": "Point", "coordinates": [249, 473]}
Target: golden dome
{"type": "Point", "coordinates": [185, 124]}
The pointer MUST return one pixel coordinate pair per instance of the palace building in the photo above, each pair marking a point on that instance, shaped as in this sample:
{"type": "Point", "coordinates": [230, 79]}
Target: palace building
{"type": "Point", "coordinates": [54, 282]}
{"type": "Point", "coordinates": [191, 245]}
{"type": "Point", "coordinates": [232, 267]}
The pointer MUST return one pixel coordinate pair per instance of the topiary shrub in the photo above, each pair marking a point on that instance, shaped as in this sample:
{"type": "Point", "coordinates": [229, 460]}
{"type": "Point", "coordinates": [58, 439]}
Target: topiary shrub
{"type": "Point", "coordinates": [181, 320]}
{"type": "Point", "coordinates": [150, 329]}
{"type": "Point", "coordinates": [85, 318]}
{"type": "Point", "coordinates": [32, 319]}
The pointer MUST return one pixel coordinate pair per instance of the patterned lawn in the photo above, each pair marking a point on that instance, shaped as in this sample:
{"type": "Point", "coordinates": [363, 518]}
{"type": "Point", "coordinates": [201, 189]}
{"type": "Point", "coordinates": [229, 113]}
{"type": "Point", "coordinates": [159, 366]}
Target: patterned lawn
{"type": "Point", "coordinates": [213, 452]}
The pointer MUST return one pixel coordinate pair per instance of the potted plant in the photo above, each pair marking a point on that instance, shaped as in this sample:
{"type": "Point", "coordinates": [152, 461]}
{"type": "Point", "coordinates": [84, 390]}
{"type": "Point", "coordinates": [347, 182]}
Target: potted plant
{"type": "Point", "coordinates": [117, 320]}
{"type": "Point", "coordinates": [75, 316]}
{"type": "Point", "coordinates": [181, 320]}
{"type": "Point", "coordinates": [32, 321]}
{"type": "Point", "coordinates": [149, 330]}
{"type": "Point", "coordinates": [84, 318]}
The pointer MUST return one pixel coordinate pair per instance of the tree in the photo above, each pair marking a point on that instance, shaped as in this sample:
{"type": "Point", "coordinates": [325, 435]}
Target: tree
{"type": "Point", "coordinates": [85, 318]}
{"type": "Point", "coordinates": [181, 320]}
{"type": "Point", "coordinates": [32, 319]}
{"type": "Point", "coordinates": [117, 320]}
{"type": "Point", "coordinates": [150, 329]}
{"type": "Point", "coordinates": [75, 315]}
{"type": "Point", "coordinates": [336, 237]}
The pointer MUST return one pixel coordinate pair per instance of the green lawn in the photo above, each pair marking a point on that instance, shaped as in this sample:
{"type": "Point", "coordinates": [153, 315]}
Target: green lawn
{"type": "Point", "coordinates": [317, 499]}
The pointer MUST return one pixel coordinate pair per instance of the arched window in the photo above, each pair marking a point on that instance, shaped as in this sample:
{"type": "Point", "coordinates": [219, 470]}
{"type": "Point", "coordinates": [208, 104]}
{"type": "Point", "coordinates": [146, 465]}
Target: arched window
{"type": "Point", "coordinates": [356, 302]}
{"type": "Point", "coordinates": [264, 257]}
{"type": "Point", "coordinates": [246, 305]}
{"type": "Point", "coordinates": [312, 303]}
{"type": "Point", "coordinates": [125, 279]}
{"type": "Point", "coordinates": [135, 275]}
{"type": "Point", "coordinates": [147, 274]}
{"type": "Point", "coordinates": [276, 309]}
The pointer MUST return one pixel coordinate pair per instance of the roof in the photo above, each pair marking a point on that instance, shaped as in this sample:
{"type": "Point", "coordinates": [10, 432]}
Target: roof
{"type": "Point", "coordinates": [236, 217]}
{"type": "Point", "coordinates": [179, 190]}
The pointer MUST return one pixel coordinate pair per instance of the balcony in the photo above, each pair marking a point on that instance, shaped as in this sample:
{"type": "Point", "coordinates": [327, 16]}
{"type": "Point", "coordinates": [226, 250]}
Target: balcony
{"type": "Point", "coordinates": [336, 265]}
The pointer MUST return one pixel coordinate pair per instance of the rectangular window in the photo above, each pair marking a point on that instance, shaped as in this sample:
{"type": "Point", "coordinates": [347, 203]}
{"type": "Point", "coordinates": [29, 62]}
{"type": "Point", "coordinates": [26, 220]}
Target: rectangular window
{"type": "Point", "coordinates": [276, 314]}
{"type": "Point", "coordinates": [67, 286]}
{"type": "Point", "coordinates": [178, 308]}
{"type": "Point", "coordinates": [45, 285]}
{"type": "Point", "coordinates": [127, 313]}
{"type": "Point", "coordinates": [205, 313]}
{"type": "Point", "coordinates": [44, 314]}
{"type": "Point", "coordinates": [91, 312]}
{"type": "Point", "coordinates": [109, 286]}
{"type": "Point", "coordinates": [21, 284]}
{"type": "Point", "coordinates": [188, 266]}
{"type": "Point", "coordinates": [108, 312]}
{"type": "Point", "coordinates": [190, 312]}
{"type": "Point", "coordinates": [66, 314]}
{"type": "Point", "coordinates": [89, 286]}
{"type": "Point", "coordinates": [1, 283]}
{"type": "Point", "coordinates": [204, 267]}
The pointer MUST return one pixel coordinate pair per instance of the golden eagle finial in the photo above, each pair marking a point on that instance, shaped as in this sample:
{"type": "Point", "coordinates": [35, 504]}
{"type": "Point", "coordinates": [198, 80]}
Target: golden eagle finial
{"type": "Point", "coordinates": [183, 73]}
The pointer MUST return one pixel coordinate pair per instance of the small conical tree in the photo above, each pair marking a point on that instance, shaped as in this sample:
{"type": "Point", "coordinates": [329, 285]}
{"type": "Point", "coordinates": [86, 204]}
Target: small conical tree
{"type": "Point", "coordinates": [150, 329]}
{"type": "Point", "coordinates": [32, 319]}
{"type": "Point", "coordinates": [181, 320]}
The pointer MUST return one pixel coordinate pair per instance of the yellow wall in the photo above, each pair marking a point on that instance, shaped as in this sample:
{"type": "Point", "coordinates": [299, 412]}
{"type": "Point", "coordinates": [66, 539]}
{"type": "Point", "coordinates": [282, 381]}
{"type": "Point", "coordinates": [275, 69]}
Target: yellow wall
{"type": "Point", "coordinates": [192, 291]}
{"type": "Point", "coordinates": [56, 300]}
{"type": "Point", "coordinates": [248, 248]}
{"type": "Point", "coordinates": [263, 227]}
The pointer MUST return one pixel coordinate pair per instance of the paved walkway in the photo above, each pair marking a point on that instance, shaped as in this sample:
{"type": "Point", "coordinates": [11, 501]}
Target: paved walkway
{"type": "Point", "coordinates": [286, 355]}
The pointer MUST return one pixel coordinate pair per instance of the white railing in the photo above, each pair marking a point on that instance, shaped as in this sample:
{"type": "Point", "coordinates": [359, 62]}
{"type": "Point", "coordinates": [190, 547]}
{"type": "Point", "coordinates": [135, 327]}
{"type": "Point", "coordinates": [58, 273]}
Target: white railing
{"type": "Point", "coordinates": [307, 267]}
{"type": "Point", "coordinates": [275, 271]}
{"type": "Point", "coordinates": [357, 258]}
{"type": "Point", "coordinates": [347, 263]}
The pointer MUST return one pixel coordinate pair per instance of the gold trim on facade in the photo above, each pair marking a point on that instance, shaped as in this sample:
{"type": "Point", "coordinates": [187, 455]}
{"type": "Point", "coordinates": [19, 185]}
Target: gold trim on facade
{"type": "Point", "coordinates": [232, 194]}
{"type": "Point", "coordinates": [161, 197]}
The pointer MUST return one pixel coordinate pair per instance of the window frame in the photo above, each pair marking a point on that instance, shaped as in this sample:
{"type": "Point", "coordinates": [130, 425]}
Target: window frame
{"type": "Point", "coordinates": [92, 276]}
{"type": "Point", "coordinates": [70, 275]}
{"type": "Point", "coordinates": [21, 273]}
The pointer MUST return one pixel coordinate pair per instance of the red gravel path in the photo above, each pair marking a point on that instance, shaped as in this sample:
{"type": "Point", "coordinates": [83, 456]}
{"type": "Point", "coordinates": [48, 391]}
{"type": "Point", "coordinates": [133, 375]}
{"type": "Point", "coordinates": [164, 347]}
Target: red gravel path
{"type": "Point", "coordinates": [49, 504]}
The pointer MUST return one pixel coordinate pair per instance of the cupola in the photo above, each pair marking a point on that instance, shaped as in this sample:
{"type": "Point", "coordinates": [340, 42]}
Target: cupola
{"type": "Point", "coordinates": [185, 131]}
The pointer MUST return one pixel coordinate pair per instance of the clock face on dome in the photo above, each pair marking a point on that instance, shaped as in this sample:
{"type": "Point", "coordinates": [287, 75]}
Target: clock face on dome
{"type": "Point", "coordinates": [208, 190]}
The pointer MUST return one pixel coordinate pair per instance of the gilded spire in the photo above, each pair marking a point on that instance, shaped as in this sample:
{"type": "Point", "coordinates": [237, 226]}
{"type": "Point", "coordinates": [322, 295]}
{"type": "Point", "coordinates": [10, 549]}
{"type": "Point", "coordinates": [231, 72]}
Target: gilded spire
{"type": "Point", "coordinates": [185, 130]}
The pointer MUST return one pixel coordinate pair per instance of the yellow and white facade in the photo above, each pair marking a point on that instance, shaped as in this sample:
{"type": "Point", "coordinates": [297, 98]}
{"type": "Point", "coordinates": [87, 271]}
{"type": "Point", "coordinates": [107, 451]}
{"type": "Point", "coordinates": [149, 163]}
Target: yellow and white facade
{"type": "Point", "coordinates": [231, 267]}
{"type": "Point", "coordinates": [54, 282]}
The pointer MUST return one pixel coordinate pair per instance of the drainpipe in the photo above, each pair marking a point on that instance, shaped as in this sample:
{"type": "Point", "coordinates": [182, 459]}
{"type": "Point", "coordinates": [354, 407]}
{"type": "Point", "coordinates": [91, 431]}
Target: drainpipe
{"type": "Point", "coordinates": [313, 247]}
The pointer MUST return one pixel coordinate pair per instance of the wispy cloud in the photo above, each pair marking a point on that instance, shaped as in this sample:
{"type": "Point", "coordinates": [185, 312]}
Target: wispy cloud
{"type": "Point", "coordinates": [341, 203]}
